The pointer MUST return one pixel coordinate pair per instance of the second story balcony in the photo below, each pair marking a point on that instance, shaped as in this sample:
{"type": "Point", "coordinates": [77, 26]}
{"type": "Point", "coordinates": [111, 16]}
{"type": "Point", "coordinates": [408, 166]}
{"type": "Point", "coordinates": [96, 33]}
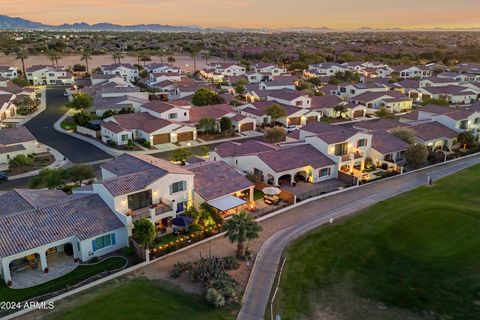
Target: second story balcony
{"type": "Point", "coordinates": [152, 212]}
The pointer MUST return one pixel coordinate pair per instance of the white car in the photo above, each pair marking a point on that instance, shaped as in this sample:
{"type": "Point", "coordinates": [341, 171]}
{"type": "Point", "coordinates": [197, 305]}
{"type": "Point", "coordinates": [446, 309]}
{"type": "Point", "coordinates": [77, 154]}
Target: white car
{"type": "Point", "coordinates": [291, 128]}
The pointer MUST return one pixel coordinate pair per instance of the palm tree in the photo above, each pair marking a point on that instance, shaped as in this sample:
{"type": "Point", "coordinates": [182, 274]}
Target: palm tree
{"type": "Point", "coordinates": [193, 54]}
{"type": "Point", "coordinates": [117, 56]}
{"type": "Point", "coordinates": [86, 55]}
{"type": "Point", "coordinates": [22, 55]}
{"type": "Point", "coordinates": [206, 55]}
{"type": "Point", "coordinates": [144, 56]}
{"type": "Point", "coordinates": [161, 54]}
{"type": "Point", "coordinates": [52, 55]}
{"type": "Point", "coordinates": [241, 227]}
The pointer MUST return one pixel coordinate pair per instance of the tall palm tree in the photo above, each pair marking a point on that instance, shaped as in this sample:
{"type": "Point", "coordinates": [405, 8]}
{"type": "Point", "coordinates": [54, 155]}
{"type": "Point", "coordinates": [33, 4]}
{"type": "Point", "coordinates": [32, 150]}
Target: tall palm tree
{"type": "Point", "coordinates": [54, 56]}
{"type": "Point", "coordinates": [51, 55]}
{"type": "Point", "coordinates": [193, 54]}
{"type": "Point", "coordinates": [86, 55]}
{"type": "Point", "coordinates": [22, 55]}
{"type": "Point", "coordinates": [240, 228]}
{"type": "Point", "coordinates": [161, 54]}
{"type": "Point", "coordinates": [206, 55]}
{"type": "Point", "coordinates": [117, 56]}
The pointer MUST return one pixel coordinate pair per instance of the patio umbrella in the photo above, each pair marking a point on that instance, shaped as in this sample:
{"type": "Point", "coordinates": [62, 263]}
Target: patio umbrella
{"type": "Point", "coordinates": [271, 191]}
{"type": "Point", "coordinates": [182, 221]}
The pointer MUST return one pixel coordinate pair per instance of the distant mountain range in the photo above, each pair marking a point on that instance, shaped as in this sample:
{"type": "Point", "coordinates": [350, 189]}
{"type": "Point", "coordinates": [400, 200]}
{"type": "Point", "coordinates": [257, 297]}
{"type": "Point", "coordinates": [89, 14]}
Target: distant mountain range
{"type": "Point", "coordinates": [11, 23]}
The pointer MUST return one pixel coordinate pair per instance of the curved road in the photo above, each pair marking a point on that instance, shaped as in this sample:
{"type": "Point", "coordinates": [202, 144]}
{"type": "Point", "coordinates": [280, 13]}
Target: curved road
{"type": "Point", "coordinates": [257, 293]}
{"type": "Point", "coordinates": [76, 150]}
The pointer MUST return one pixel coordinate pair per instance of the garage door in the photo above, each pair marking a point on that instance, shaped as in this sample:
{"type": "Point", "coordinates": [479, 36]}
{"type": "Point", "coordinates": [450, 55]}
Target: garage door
{"type": "Point", "coordinates": [358, 113]}
{"type": "Point", "coordinates": [185, 136]}
{"type": "Point", "coordinates": [311, 119]}
{"type": "Point", "coordinates": [246, 127]}
{"type": "Point", "coordinates": [161, 138]}
{"type": "Point", "coordinates": [294, 121]}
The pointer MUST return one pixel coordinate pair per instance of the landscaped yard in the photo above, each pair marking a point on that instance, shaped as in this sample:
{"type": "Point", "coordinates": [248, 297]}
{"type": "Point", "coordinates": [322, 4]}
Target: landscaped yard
{"type": "Point", "coordinates": [81, 273]}
{"type": "Point", "coordinates": [415, 256]}
{"type": "Point", "coordinates": [140, 298]}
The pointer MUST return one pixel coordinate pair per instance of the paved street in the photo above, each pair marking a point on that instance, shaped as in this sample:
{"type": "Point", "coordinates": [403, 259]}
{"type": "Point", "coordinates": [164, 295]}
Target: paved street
{"type": "Point", "coordinates": [41, 126]}
{"type": "Point", "coordinates": [319, 212]}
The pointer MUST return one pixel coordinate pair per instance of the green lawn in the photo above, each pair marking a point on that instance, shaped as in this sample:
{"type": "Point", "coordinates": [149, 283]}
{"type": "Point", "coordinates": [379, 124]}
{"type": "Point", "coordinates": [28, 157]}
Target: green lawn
{"type": "Point", "coordinates": [81, 273]}
{"type": "Point", "coordinates": [139, 298]}
{"type": "Point", "coordinates": [415, 256]}
{"type": "Point", "coordinates": [257, 194]}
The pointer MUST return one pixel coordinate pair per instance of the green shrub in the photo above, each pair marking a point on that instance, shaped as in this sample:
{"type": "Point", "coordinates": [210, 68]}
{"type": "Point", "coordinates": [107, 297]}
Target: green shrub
{"type": "Point", "coordinates": [215, 298]}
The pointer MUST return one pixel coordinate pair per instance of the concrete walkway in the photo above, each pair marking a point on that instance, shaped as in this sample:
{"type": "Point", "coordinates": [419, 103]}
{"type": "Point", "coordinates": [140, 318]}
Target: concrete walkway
{"type": "Point", "coordinates": [316, 213]}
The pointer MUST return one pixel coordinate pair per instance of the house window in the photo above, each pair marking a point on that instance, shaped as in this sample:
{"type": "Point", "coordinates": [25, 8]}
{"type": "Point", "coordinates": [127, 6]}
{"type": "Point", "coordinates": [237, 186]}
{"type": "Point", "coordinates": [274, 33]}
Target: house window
{"type": "Point", "coordinates": [324, 172]}
{"type": "Point", "coordinates": [180, 207]}
{"type": "Point", "coordinates": [172, 116]}
{"type": "Point", "coordinates": [103, 242]}
{"type": "Point", "coordinates": [178, 186]}
{"type": "Point", "coordinates": [361, 143]}
{"type": "Point", "coordinates": [476, 121]}
{"type": "Point", "coordinates": [124, 137]}
{"type": "Point", "coordinates": [463, 124]}
{"type": "Point", "coordinates": [341, 149]}
{"type": "Point", "coordinates": [140, 200]}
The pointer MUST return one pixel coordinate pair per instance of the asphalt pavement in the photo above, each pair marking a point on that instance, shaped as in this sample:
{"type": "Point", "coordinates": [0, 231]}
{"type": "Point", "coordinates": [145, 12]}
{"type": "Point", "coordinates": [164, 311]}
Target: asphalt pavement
{"type": "Point", "coordinates": [76, 150]}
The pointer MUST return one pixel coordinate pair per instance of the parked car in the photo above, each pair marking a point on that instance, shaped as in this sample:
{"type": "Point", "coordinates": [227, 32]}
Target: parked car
{"type": "Point", "coordinates": [3, 177]}
{"type": "Point", "coordinates": [291, 128]}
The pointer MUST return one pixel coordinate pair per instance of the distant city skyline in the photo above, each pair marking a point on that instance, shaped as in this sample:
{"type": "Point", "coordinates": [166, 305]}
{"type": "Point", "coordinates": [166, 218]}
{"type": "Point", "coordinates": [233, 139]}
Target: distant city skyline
{"type": "Point", "coordinates": [345, 14]}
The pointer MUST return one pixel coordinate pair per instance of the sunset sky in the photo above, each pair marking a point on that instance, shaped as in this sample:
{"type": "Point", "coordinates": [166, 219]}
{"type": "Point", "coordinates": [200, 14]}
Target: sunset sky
{"type": "Point", "coordinates": [339, 14]}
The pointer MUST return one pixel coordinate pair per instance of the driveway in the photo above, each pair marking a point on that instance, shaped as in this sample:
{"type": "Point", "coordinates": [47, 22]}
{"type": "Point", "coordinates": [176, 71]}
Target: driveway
{"type": "Point", "coordinates": [41, 126]}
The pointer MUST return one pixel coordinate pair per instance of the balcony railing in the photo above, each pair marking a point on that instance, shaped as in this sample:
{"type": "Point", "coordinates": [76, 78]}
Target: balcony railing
{"type": "Point", "coordinates": [351, 156]}
{"type": "Point", "coordinates": [149, 212]}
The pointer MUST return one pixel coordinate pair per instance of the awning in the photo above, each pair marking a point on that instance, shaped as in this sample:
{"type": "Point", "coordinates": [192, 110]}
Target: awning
{"type": "Point", "coordinates": [225, 203]}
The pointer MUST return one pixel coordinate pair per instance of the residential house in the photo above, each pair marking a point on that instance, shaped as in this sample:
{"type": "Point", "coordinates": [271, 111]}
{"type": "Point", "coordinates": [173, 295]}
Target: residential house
{"type": "Point", "coordinates": [295, 115]}
{"type": "Point", "coordinates": [162, 68]}
{"type": "Point", "coordinates": [452, 93]}
{"type": "Point", "coordinates": [124, 70]}
{"type": "Point", "coordinates": [269, 68]}
{"type": "Point", "coordinates": [387, 150]}
{"type": "Point", "coordinates": [434, 135]}
{"type": "Point", "coordinates": [142, 186]}
{"type": "Point", "coordinates": [277, 165]}
{"type": "Point", "coordinates": [48, 75]}
{"type": "Point", "coordinates": [15, 141]}
{"type": "Point", "coordinates": [134, 126]}
{"type": "Point", "coordinates": [240, 123]}
{"type": "Point", "coordinates": [348, 91]}
{"type": "Point", "coordinates": [53, 224]}
{"type": "Point", "coordinates": [392, 100]}
{"type": "Point", "coordinates": [117, 103]}
{"type": "Point", "coordinates": [178, 110]}
{"type": "Point", "coordinates": [290, 97]}
{"type": "Point", "coordinates": [324, 69]}
{"type": "Point", "coordinates": [8, 72]}
{"type": "Point", "coordinates": [8, 109]}
{"type": "Point", "coordinates": [328, 103]}
{"type": "Point", "coordinates": [221, 186]}
{"type": "Point", "coordinates": [408, 72]}
{"type": "Point", "coordinates": [285, 82]}
{"type": "Point", "coordinates": [346, 147]}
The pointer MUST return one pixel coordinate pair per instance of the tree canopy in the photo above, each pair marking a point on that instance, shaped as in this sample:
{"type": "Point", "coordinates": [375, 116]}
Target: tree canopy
{"type": "Point", "coordinates": [240, 228]}
{"type": "Point", "coordinates": [81, 101]}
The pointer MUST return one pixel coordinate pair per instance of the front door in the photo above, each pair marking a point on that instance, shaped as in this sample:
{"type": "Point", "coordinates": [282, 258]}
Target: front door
{"type": "Point", "coordinates": [180, 207]}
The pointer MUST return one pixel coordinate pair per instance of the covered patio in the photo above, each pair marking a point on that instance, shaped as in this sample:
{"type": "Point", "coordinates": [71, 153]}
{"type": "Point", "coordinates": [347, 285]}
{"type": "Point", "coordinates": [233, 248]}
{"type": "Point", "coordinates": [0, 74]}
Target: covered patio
{"type": "Point", "coordinates": [59, 264]}
{"type": "Point", "coordinates": [229, 205]}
